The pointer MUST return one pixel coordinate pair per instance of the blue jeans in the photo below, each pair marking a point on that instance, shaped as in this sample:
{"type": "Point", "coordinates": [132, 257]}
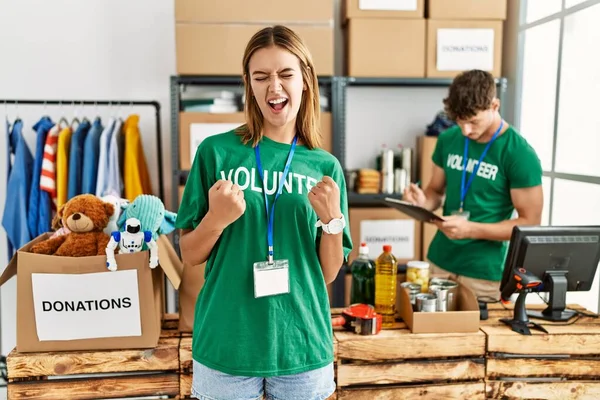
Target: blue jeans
{"type": "Point", "coordinates": [209, 384]}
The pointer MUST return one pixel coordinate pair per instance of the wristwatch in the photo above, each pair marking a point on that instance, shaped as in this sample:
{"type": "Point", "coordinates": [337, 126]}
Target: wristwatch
{"type": "Point", "coordinates": [334, 226]}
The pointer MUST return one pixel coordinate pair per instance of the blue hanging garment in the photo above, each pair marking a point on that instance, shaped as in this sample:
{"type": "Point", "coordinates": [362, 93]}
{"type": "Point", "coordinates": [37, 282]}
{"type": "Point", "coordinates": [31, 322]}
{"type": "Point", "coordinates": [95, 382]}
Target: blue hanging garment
{"type": "Point", "coordinates": [14, 219]}
{"type": "Point", "coordinates": [39, 215]}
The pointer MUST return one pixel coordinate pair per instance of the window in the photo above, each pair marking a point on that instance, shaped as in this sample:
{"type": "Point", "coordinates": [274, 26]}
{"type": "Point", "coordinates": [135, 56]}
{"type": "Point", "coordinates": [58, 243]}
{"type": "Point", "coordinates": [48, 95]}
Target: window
{"type": "Point", "coordinates": [559, 111]}
{"type": "Point", "coordinates": [571, 3]}
{"type": "Point", "coordinates": [578, 117]}
{"type": "Point", "coordinates": [546, 187]}
{"type": "Point", "coordinates": [538, 98]}
{"type": "Point", "coordinates": [537, 9]}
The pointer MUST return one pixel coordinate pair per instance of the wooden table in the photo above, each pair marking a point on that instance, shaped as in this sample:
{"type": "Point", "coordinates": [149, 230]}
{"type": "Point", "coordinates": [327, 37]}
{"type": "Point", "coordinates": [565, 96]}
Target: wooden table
{"type": "Point", "coordinates": [397, 364]}
{"type": "Point", "coordinates": [563, 364]}
{"type": "Point", "coordinates": [86, 375]}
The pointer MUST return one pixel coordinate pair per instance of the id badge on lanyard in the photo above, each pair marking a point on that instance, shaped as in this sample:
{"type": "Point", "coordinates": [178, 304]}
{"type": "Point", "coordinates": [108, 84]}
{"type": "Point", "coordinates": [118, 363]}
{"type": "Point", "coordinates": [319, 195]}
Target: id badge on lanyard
{"type": "Point", "coordinates": [464, 188]}
{"type": "Point", "coordinates": [272, 277]}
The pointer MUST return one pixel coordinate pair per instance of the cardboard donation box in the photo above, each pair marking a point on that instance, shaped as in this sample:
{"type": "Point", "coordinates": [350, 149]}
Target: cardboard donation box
{"type": "Point", "coordinates": [465, 319]}
{"type": "Point", "coordinates": [191, 284]}
{"type": "Point", "coordinates": [75, 303]}
{"type": "Point", "coordinates": [457, 45]}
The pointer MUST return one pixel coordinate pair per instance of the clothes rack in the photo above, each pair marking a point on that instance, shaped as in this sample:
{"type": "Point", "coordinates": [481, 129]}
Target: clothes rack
{"type": "Point", "coordinates": [155, 104]}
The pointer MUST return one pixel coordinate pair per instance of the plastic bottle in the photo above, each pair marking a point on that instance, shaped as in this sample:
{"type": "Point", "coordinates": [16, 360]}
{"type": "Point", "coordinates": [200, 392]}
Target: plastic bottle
{"type": "Point", "coordinates": [386, 271]}
{"type": "Point", "coordinates": [363, 278]}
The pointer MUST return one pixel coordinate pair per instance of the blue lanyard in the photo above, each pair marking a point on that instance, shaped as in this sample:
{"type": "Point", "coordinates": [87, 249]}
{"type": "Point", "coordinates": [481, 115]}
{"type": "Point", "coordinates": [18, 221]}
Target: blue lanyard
{"type": "Point", "coordinates": [464, 188]}
{"type": "Point", "coordinates": [271, 214]}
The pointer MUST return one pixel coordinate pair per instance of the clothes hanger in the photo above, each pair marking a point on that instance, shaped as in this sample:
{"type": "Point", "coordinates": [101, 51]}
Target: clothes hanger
{"type": "Point", "coordinates": [63, 123]}
{"type": "Point", "coordinates": [17, 118]}
{"type": "Point", "coordinates": [75, 118]}
{"type": "Point", "coordinates": [84, 119]}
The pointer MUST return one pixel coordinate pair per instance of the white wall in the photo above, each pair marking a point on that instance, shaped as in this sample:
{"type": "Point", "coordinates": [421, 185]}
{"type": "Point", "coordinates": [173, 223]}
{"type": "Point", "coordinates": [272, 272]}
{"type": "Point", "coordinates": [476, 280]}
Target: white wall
{"type": "Point", "coordinates": [93, 49]}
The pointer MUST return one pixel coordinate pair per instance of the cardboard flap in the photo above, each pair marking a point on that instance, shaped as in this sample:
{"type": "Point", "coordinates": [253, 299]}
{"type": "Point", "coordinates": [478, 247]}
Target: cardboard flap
{"type": "Point", "coordinates": [11, 269]}
{"type": "Point", "coordinates": [169, 261]}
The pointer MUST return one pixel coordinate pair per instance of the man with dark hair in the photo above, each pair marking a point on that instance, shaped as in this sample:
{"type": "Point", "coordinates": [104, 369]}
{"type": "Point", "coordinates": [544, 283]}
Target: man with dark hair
{"type": "Point", "coordinates": [483, 171]}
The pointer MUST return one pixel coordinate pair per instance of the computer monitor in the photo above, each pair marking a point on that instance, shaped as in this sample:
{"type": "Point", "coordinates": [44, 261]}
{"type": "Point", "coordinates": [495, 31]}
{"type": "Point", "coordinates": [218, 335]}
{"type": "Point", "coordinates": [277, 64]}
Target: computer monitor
{"type": "Point", "coordinates": [563, 258]}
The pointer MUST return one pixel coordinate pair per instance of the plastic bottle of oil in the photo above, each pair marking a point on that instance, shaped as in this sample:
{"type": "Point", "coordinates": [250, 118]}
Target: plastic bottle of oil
{"type": "Point", "coordinates": [363, 278]}
{"type": "Point", "coordinates": [386, 270]}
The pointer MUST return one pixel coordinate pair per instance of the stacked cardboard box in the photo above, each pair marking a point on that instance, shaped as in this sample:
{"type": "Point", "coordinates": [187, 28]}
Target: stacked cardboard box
{"type": "Point", "coordinates": [385, 38]}
{"type": "Point", "coordinates": [463, 35]}
{"type": "Point", "coordinates": [211, 35]}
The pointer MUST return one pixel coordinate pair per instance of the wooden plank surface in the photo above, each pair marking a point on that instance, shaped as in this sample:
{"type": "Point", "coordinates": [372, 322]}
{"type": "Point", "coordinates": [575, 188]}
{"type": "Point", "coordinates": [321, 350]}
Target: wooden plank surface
{"type": "Point", "coordinates": [402, 344]}
{"type": "Point", "coordinates": [570, 368]}
{"type": "Point", "coordinates": [96, 388]}
{"type": "Point", "coordinates": [164, 357]}
{"type": "Point", "coordinates": [568, 390]}
{"type": "Point", "coordinates": [470, 391]}
{"type": "Point", "coordinates": [185, 355]}
{"type": "Point", "coordinates": [185, 385]}
{"type": "Point", "coordinates": [571, 339]}
{"type": "Point", "coordinates": [410, 372]}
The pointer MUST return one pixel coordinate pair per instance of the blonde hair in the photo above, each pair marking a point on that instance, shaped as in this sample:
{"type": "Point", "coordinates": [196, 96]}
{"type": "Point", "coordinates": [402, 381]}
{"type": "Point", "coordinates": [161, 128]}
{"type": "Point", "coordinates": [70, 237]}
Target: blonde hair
{"type": "Point", "coordinates": [309, 114]}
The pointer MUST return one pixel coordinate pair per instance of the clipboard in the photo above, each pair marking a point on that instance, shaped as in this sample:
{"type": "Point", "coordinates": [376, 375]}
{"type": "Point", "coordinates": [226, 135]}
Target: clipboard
{"type": "Point", "coordinates": [416, 212]}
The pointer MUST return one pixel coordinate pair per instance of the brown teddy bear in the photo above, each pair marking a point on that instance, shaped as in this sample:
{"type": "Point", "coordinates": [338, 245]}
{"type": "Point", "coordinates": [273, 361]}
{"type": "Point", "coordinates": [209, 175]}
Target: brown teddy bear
{"type": "Point", "coordinates": [85, 216]}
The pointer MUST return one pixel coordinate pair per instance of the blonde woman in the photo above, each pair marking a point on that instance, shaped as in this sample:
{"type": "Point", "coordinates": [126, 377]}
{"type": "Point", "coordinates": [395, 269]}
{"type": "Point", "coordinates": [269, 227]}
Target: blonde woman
{"type": "Point", "coordinates": [266, 208]}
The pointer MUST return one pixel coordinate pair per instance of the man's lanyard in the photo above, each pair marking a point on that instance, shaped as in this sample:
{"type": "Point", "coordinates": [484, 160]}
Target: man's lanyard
{"type": "Point", "coordinates": [271, 214]}
{"type": "Point", "coordinates": [465, 188]}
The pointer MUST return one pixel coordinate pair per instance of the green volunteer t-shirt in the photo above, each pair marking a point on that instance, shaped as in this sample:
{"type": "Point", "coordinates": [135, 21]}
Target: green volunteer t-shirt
{"type": "Point", "coordinates": [234, 332]}
{"type": "Point", "coordinates": [511, 163]}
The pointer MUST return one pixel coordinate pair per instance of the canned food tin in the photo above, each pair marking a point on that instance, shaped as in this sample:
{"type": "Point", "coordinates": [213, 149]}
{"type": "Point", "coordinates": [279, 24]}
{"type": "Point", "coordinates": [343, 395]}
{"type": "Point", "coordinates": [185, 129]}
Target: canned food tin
{"type": "Point", "coordinates": [444, 297]}
{"type": "Point", "coordinates": [426, 302]}
{"type": "Point", "coordinates": [413, 290]}
{"type": "Point", "coordinates": [448, 286]}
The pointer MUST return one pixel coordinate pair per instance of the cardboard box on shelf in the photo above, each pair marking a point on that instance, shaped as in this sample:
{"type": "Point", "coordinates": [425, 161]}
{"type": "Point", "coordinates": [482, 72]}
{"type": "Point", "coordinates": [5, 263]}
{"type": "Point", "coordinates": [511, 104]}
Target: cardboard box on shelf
{"type": "Point", "coordinates": [383, 9]}
{"type": "Point", "coordinates": [218, 48]}
{"type": "Point", "coordinates": [385, 48]}
{"type": "Point", "coordinates": [455, 46]}
{"type": "Point", "coordinates": [379, 226]}
{"type": "Point", "coordinates": [263, 11]}
{"type": "Point", "coordinates": [425, 149]}
{"type": "Point", "coordinates": [195, 127]}
{"type": "Point", "coordinates": [75, 303]}
{"type": "Point", "coordinates": [467, 9]}
{"type": "Point", "coordinates": [466, 319]}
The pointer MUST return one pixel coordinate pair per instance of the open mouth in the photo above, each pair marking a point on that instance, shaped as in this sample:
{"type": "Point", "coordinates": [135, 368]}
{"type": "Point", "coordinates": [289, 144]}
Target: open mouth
{"type": "Point", "coordinates": [278, 104]}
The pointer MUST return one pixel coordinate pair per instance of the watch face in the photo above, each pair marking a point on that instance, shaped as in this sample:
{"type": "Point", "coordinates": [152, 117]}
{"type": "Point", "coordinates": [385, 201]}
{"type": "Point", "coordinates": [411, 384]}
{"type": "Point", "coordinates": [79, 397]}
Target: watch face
{"type": "Point", "coordinates": [335, 226]}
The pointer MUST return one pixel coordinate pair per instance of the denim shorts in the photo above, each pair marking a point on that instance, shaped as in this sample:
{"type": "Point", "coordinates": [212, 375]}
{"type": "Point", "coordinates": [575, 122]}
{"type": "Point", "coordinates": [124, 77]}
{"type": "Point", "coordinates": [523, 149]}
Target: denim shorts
{"type": "Point", "coordinates": [209, 384]}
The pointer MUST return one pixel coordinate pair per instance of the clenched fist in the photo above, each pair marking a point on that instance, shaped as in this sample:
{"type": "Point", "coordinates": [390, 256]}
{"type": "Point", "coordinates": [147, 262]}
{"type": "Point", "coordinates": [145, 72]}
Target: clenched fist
{"type": "Point", "coordinates": [324, 198]}
{"type": "Point", "coordinates": [225, 203]}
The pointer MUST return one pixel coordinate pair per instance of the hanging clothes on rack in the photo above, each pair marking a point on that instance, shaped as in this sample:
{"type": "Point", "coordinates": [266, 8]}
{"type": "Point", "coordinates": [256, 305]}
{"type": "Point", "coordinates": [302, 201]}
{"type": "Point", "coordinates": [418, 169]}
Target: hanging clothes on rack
{"type": "Point", "coordinates": [40, 210]}
{"type": "Point", "coordinates": [71, 158]}
{"type": "Point", "coordinates": [103, 158]}
{"type": "Point", "coordinates": [14, 219]}
{"type": "Point", "coordinates": [76, 159]}
{"type": "Point", "coordinates": [135, 176]}
{"type": "Point", "coordinates": [91, 152]}
{"type": "Point", "coordinates": [48, 175]}
{"type": "Point", "coordinates": [114, 183]}
{"type": "Point", "coordinates": [62, 165]}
